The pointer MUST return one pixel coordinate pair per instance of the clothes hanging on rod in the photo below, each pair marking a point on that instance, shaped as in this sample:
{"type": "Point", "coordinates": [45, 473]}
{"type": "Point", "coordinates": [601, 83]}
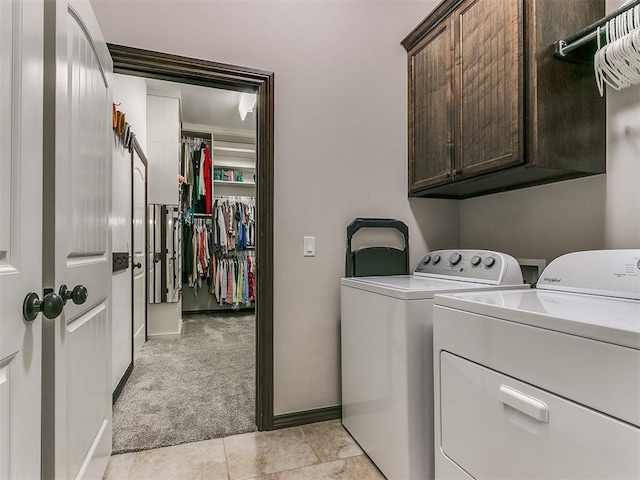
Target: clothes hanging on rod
{"type": "Point", "coordinates": [196, 171]}
{"type": "Point", "coordinates": [233, 279]}
{"type": "Point", "coordinates": [197, 251]}
{"type": "Point", "coordinates": [219, 232]}
{"type": "Point", "coordinates": [234, 223]}
{"type": "Point", "coordinates": [229, 272]}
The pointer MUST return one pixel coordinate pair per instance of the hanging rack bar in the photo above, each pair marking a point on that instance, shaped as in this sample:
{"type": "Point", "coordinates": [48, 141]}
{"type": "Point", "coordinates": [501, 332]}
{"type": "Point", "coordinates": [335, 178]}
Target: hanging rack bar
{"type": "Point", "coordinates": [193, 134]}
{"type": "Point", "coordinates": [581, 47]}
{"type": "Point", "coordinates": [234, 197]}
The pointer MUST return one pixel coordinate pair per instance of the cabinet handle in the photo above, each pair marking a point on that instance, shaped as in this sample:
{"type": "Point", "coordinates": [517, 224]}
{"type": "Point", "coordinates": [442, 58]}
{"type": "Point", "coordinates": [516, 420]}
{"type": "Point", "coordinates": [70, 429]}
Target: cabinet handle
{"type": "Point", "coordinates": [524, 403]}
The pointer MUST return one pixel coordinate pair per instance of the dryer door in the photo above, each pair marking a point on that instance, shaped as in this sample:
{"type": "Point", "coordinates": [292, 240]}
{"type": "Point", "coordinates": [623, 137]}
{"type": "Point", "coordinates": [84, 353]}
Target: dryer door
{"type": "Point", "coordinates": [494, 426]}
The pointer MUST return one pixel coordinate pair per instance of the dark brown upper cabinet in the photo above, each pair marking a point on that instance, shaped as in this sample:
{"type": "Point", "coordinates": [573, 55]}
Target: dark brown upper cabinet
{"type": "Point", "coordinates": [431, 121]}
{"type": "Point", "coordinates": [490, 109]}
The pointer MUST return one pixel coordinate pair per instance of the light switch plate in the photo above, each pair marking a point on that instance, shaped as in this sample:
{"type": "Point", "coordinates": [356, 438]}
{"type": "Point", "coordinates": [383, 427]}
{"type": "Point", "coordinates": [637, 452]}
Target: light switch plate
{"type": "Point", "coordinates": [309, 246]}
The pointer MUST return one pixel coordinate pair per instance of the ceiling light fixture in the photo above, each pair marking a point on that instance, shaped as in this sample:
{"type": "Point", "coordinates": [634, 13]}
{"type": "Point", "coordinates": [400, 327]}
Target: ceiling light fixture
{"type": "Point", "coordinates": [246, 103]}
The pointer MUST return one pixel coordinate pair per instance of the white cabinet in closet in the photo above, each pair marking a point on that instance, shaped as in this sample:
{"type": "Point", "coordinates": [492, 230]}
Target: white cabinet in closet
{"type": "Point", "coordinates": [163, 148]}
{"type": "Point", "coordinates": [234, 168]}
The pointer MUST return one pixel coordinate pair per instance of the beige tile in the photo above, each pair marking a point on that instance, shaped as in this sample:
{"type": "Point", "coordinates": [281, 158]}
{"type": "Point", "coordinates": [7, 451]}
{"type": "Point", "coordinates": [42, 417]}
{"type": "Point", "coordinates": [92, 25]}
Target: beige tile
{"type": "Point", "coordinates": [353, 468]}
{"type": "Point", "coordinates": [189, 461]}
{"type": "Point", "coordinates": [260, 453]}
{"type": "Point", "coordinates": [331, 441]}
{"type": "Point", "coordinates": [119, 467]}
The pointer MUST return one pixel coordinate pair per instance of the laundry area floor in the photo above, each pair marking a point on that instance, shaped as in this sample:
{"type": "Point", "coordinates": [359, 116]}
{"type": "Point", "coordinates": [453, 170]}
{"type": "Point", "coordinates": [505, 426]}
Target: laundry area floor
{"type": "Point", "coordinates": [190, 387]}
{"type": "Point", "coordinates": [312, 452]}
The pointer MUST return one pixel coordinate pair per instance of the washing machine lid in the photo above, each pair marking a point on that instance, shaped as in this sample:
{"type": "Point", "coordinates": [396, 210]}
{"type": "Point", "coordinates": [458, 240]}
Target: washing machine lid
{"type": "Point", "coordinates": [414, 287]}
{"type": "Point", "coordinates": [607, 319]}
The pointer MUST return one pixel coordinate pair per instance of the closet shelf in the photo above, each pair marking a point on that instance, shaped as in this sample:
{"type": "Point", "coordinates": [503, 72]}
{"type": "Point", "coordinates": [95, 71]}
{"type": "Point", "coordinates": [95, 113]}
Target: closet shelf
{"type": "Point", "coordinates": [581, 47]}
{"type": "Point", "coordinates": [233, 151]}
{"type": "Point", "coordinates": [234, 184]}
{"type": "Point", "coordinates": [233, 164]}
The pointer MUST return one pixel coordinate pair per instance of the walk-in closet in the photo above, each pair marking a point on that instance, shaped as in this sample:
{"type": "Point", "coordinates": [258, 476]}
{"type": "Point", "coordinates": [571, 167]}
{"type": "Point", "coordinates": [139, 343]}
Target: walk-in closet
{"type": "Point", "coordinates": [194, 376]}
{"type": "Point", "coordinates": [219, 235]}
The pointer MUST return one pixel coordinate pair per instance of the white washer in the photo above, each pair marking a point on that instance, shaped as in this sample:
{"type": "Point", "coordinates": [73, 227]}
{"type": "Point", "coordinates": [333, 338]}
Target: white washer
{"type": "Point", "coordinates": [542, 383]}
{"type": "Point", "coordinates": [387, 360]}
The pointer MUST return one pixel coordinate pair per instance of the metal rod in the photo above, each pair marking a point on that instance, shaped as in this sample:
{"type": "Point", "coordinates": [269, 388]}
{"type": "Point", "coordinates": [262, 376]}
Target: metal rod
{"type": "Point", "coordinates": [569, 47]}
{"type": "Point", "coordinates": [591, 32]}
{"type": "Point", "coordinates": [234, 197]}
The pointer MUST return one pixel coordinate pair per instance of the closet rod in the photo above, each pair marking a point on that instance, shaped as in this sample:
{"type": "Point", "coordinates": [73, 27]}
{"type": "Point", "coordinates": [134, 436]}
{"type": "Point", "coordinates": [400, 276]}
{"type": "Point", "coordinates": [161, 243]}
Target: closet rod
{"type": "Point", "coordinates": [245, 252]}
{"type": "Point", "coordinates": [229, 197]}
{"type": "Point", "coordinates": [194, 134]}
{"type": "Point", "coordinates": [562, 48]}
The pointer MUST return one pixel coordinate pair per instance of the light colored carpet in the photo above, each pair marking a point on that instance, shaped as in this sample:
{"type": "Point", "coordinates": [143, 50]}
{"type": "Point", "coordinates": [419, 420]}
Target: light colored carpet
{"type": "Point", "coordinates": [194, 386]}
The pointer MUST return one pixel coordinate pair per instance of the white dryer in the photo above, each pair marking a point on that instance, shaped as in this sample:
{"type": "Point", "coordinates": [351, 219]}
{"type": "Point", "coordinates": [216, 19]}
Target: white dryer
{"type": "Point", "coordinates": [387, 360]}
{"type": "Point", "coordinates": [542, 383]}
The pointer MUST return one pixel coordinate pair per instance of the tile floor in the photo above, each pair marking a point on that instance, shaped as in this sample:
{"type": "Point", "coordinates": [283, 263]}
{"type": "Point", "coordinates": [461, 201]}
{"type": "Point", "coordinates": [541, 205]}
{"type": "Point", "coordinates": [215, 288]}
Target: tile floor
{"type": "Point", "coordinates": [312, 452]}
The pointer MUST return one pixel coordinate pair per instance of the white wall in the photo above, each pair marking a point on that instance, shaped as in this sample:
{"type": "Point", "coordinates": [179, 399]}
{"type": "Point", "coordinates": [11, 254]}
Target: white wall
{"type": "Point", "coordinates": [340, 146]}
{"type": "Point", "coordinates": [131, 94]}
{"type": "Point", "coordinates": [163, 149]}
{"type": "Point", "coordinates": [590, 213]}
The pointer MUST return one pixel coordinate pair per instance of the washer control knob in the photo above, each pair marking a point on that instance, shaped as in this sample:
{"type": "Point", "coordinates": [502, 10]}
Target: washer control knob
{"type": "Point", "coordinates": [426, 260]}
{"type": "Point", "coordinates": [436, 259]}
{"type": "Point", "coordinates": [489, 262]}
{"type": "Point", "coordinates": [455, 258]}
{"type": "Point", "coordinates": [475, 260]}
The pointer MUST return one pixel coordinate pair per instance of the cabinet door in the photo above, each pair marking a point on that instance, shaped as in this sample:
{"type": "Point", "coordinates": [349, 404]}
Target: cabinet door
{"type": "Point", "coordinates": [430, 109]}
{"type": "Point", "coordinates": [489, 85]}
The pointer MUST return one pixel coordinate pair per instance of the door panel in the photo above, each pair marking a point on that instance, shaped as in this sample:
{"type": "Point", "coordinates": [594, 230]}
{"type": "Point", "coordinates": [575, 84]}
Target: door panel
{"type": "Point", "coordinates": [86, 169]}
{"type": "Point", "coordinates": [489, 85]}
{"type": "Point", "coordinates": [21, 77]}
{"type": "Point", "coordinates": [6, 432]}
{"type": "Point", "coordinates": [77, 441]}
{"type": "Point", "coordinates": [139, 256]}
{"type": "Point", "coordinates": [431, 128]}
{"type": "Point", "coordinates": [86, 347]}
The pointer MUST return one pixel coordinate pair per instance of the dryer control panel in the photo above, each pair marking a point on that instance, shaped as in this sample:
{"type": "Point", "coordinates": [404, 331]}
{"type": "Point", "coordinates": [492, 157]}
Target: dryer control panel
{"type": "Point", "coordinates": [612, 273]}
{"type": "Point", "coordinates": [481, 266]}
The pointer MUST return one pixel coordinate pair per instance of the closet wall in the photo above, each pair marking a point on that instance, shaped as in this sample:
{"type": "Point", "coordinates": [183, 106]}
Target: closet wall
{"type": "Point", "coordinates": [131, 95]}
{"type": "Point", "coordinates": [163, 146]}
{"type": "Point", "coordinates": [163, 154]}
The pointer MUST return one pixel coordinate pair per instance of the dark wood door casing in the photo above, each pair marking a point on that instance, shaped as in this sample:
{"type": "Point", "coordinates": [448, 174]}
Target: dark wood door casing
{"type": "Point", "coordinates": [146, 63]}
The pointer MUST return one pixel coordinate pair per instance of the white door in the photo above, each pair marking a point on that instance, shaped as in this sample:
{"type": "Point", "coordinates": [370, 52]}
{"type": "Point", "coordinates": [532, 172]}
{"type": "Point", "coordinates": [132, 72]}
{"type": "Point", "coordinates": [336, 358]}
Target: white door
{"type": "Point", "coordinates": [21, 44]}
{"type": "Point", "coordinates": [77, 346]}
{"type": "Point", "coordinates": [139, 254]}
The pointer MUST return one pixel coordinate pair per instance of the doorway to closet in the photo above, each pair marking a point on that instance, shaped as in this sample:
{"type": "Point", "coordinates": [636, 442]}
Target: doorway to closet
{"type": "Point", "coordinates": [225, 261]}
